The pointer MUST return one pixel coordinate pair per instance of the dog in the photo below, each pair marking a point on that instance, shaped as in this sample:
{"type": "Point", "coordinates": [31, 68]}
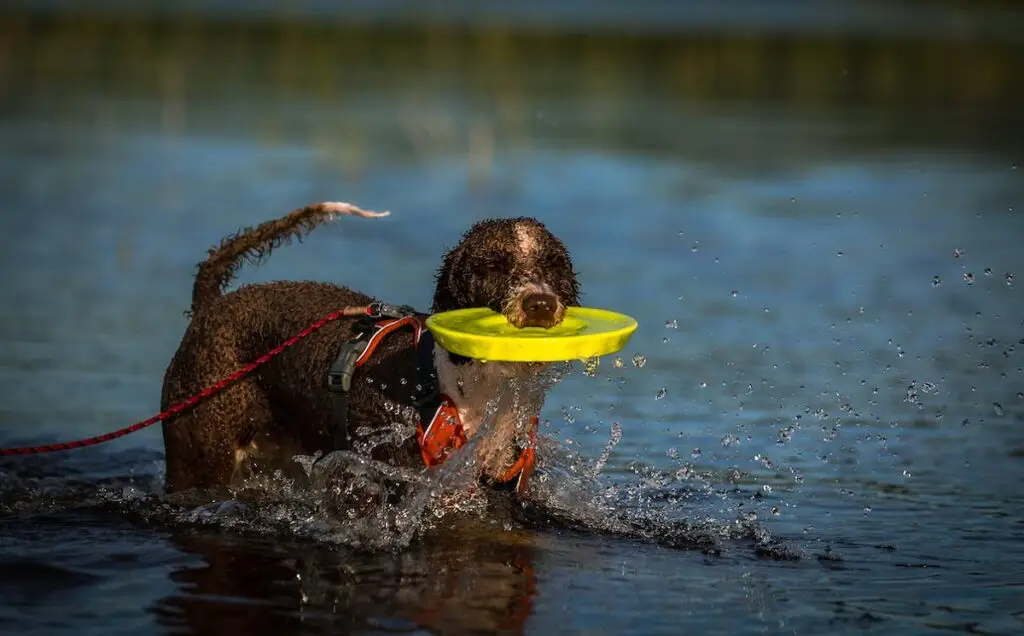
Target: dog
{"type": "Point", "coordinates": [514, 266]}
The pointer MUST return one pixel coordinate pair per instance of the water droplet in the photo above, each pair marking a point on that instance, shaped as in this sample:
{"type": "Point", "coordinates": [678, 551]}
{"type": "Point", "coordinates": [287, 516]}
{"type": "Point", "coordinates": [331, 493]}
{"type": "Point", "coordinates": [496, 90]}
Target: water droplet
{"type": "Point", "coordinates": [660, 395]}
{"type": "Point", "coordinates": [1020, 395]}
{"type": "Point", "coordinates": [730, 440]}
{"type": "Point", "coordinates": [403, 381]}
{"type": "Point", "coordinates": [839, 253]}
{"type": "Point", "coordinates": [988, 271]}
{"type": "Point", "coordinates": [906, 473]}
{"type": "Point", "coordinates": [775, 511]}
{"type": "Point", "coordinates": [735, 293]}
{"type": "Point", "coordinates": [639, 361]}
{"type": "Point", "coordinates": [997, 408]}
{"type": "Point", "coordinates": [785, 435]}
{"type": "Point", "coordinates": [936, 281]}
{"type": "Point", "coordinates": [590, 366]}
{"type": "Point", "coordinates": [695, 247]}
{"type": "Point", "coordinates": [665, 340]}
{"type": "Point", "coordinates": [673, 453]}
{"type": "Point", "coordinates": [695, 453]}
{"type": "Point", "coordinates": [369, 380]}
{"type": "Point", "coordinates": [618, 363]}
{"type": "Point", "coordinates": [1009, 278]}
{"type": "Point", "coordinates": [969, 278]}
{"type": "Point", "coordinates": [957, 253]}
{"type": "Point", "coordinates": [867, 509]}
{"type": "Point", "coordinates": [671, 324]}
{"type": "Point", "coordinates": [766, 487]}
{"type": "Point", "coordinates": [703, 385]}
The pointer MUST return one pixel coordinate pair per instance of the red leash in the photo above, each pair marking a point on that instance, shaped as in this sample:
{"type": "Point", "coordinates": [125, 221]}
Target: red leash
{"type": "Point", "coordinates": [198, 397]}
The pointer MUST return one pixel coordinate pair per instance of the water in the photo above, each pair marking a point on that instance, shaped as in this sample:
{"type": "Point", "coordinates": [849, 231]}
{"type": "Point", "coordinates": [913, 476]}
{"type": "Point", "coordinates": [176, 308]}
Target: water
{"type": "Point", "coordinates": [816, 429]}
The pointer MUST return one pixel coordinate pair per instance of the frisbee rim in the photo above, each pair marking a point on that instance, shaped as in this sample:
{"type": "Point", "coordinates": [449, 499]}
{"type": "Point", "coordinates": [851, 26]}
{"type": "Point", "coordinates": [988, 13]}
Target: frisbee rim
{"type": "Point", "coordinates": [529, 345]}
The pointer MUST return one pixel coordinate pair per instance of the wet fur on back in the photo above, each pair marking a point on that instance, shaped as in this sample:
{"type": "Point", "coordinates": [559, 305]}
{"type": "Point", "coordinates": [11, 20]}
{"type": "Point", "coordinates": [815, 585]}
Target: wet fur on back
{"type": "Point", "coordinates": [511, 265]}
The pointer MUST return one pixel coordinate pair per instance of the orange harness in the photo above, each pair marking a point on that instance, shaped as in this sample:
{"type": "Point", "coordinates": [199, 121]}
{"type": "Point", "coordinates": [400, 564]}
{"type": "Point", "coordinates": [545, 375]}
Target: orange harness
{"type": "Point", "coordinates": [443, 433]}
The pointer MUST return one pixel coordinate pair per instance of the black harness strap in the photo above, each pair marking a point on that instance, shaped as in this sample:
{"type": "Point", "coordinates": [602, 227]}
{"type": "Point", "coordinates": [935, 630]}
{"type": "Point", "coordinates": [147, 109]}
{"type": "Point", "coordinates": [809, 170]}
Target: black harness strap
{"type": "Point", "coordinates": [426, 395]}
{"type": "Point", "coordinates": [339, 383]}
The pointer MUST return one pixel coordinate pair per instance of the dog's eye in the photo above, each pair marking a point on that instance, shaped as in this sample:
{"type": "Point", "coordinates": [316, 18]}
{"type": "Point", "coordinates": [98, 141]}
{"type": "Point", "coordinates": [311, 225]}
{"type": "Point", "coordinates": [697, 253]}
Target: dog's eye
{"type": "Point", "coordinates": [497, 266]}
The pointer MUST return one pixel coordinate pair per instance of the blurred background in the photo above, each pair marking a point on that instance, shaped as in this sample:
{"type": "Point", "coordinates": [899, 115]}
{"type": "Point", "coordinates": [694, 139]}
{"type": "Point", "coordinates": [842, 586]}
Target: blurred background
{"type": "Point", "coordinates": [814, 209]}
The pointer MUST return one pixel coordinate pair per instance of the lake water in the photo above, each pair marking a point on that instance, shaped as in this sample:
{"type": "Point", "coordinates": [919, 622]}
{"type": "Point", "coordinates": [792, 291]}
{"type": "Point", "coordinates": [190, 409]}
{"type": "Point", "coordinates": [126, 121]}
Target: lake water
{"type": "Point", "coordinates": [817, 427]}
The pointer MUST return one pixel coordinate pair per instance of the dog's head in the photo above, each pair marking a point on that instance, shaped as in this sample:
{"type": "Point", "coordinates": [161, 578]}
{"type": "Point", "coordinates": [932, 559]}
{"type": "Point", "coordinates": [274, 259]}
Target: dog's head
{"type": "Point", "coordinates": [513, 266]}
{"type": "Point", "coordinates": [520, 269]}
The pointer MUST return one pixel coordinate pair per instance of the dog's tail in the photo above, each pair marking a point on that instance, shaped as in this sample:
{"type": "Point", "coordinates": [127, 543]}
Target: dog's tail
{"type": "Point", "coordinates": [255, 244]}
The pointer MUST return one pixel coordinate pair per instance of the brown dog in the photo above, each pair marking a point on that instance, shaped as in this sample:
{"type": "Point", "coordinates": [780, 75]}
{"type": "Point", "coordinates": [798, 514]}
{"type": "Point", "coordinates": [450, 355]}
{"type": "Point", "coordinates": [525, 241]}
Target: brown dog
{"type": "Point", "coordinates": [514, 266]}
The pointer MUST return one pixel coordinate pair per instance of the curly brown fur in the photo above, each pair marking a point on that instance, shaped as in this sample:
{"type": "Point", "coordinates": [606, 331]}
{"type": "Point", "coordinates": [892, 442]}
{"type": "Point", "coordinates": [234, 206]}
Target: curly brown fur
{"type": "Point", "coordinates": [254, 245]}
{"type": "Point", "coordinates": [513, 265]}
{"type": "Point", "coordinates": [498, 262]}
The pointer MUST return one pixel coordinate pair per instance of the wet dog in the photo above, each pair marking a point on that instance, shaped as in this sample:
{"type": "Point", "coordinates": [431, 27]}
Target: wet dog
{"type": "Point", "coordinates": [514, 266]}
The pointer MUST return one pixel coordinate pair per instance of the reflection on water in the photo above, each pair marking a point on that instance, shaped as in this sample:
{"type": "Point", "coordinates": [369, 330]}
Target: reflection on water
{"type": "Point", "coordinates": [814, 214]}
{"type": "Point", "coordinates": [482, 583]}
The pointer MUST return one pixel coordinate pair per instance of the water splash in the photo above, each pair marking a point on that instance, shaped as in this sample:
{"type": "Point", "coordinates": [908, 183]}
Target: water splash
{"type": "Point", "coordinates": [350, 500]}
{"type": "Point", "coordinates": [613, 441]}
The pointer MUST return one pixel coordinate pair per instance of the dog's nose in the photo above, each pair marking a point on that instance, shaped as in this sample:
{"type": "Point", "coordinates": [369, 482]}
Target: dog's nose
{"type": "Point", "coordinates": [539, 309]}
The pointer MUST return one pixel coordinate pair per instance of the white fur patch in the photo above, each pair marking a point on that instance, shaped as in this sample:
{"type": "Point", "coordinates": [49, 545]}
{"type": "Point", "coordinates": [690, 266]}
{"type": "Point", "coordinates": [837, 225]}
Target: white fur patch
{"type": "Point", "coordinates": [470, 386]}
{"type": "Point", "coordinates": [526, 239]}
{"type": "Point", "coordinates": [340, 208]}
{"type": "Point", "coordinates": [481, 391]}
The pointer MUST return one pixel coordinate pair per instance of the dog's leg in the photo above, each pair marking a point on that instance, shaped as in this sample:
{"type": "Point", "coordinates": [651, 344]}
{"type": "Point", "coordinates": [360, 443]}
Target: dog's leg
{"type": "Point", "coordinates": [206, 446]}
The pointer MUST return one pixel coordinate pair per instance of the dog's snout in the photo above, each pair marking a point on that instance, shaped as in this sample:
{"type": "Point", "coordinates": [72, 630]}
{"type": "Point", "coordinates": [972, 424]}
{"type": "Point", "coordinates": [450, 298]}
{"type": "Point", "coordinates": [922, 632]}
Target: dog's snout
{"type": "Point", "coordinates": [539, 309]}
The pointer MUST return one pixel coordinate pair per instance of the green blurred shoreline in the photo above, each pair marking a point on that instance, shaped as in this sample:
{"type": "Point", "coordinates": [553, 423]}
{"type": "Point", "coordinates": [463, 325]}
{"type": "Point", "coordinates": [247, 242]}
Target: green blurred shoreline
{"type": "Point", "coordinates": [961, 91]}
{"type": "Point", "coordinates": [733, 64]}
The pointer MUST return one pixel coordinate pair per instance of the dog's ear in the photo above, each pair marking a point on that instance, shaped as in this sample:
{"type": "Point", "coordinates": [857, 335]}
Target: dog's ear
{"type": "Point", "coordinates": [446, 293]}
{"type": "Point", "coordinates": [561, 273]}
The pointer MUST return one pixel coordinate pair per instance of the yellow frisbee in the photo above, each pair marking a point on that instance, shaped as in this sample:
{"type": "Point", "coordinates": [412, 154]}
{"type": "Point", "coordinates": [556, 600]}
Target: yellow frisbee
{"type": "Point", "coordinates": [487, 335]}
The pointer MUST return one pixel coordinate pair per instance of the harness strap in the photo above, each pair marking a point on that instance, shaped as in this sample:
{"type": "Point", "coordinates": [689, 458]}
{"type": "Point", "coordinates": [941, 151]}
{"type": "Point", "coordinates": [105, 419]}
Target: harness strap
{"type": "Point", "coordinates": [339, 382]}
{"type": "Point", "coordinates": [523, 467]}
{"type": "Point", "coordinates": [426, 395]}
{"type": "Point", "coordinates": [352, 355]}
{"type": "Point", "coordinates": [440, 431]}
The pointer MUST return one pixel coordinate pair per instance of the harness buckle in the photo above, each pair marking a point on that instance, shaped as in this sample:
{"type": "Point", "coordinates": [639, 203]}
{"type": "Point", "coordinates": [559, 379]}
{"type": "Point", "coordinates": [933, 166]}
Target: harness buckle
{"type": "Point", "coordinates": [339, 378]}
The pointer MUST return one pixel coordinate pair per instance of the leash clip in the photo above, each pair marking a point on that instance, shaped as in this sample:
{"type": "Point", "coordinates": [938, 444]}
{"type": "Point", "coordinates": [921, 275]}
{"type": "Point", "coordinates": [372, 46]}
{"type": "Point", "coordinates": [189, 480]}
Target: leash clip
{"type": "Point", "coordinates": [380, 309]}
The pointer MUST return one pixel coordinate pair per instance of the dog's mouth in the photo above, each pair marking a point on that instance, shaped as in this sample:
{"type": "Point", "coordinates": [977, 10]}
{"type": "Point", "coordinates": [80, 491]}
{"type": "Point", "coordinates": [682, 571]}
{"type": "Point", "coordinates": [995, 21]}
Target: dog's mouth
{"type": "Point", "coordinates": [534, 306]}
